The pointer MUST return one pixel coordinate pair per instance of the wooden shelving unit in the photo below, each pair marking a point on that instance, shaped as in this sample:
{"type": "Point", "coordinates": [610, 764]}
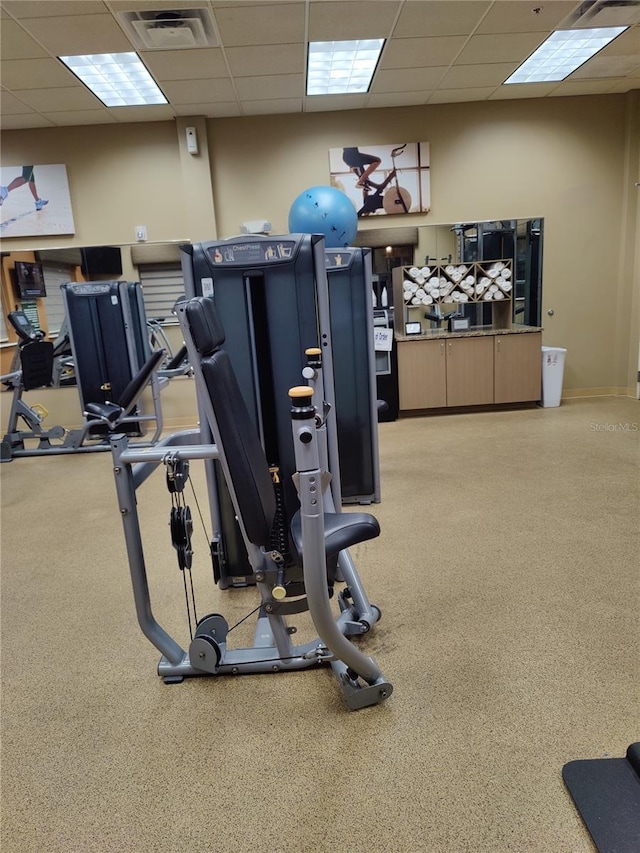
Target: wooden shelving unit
{"type": "Point", "coordinates": [429, 288]}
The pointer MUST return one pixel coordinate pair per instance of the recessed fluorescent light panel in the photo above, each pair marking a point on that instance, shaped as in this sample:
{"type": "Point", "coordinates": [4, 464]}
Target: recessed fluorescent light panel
{"type": "Point", "coordinates": [118, 79]}
{"type": "Point", "coordinates": [342, 67]}
{"type": "Point", "coordinates": [562, 53]}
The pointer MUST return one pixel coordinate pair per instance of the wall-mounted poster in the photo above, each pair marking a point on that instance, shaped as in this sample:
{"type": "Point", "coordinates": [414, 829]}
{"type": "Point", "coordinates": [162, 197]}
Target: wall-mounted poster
{"type": "Point", "coordinates": [383, 179]}
{"type": "Point", "coordinates": [35, 201]}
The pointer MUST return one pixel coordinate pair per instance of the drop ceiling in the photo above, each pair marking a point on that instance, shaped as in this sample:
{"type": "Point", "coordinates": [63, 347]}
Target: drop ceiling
{"type": "Point", "coordinates": [436, 51]}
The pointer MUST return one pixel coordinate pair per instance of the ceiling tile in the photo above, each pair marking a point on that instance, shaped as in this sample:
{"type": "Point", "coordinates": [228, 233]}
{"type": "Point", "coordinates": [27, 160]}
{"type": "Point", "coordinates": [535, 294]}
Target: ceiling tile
{"type": "Point", "coordinates": [461, 95]}
{"type": "Point", "coordinates": [625, 85]}
{"type": "Point", "coordinates": [266, 59]}
{"type": "Point", "coordinates": [523, 90]}
{"type": "Point", "coordinates": [505, 16]}
{"type": "Point", "coordinates": [275, 86]}
{"type": "Point", "coordinates": [325, 103]}
{"type": "Point", "coordinates": [199, 91]}
{"type": "Point", "coordinates": [155, 5]}
{"type": "Point", "coordinates": [153, 112]}
{"type": "Point", "coordinates": [439, 18]}
{"type": "Point", "coordinates": [11, 106]}
{"type": "Point", "coordinates": [409, 80]}
{"type": "Point", "coordinates": [53, 8]}
{"type": "Point", "coordinates": [398, 99]}
{"type": "Point", "coordinates": [356, 19]}
{"type": "Point", "coordinates": [607, 66]}
{"type": "Point", "coordinates": [464, 76]}
{"type": "Point", "coordinates": [22, 122]}
{"type": "Point", "coordinates": [421, 52]}
{"type": "Point", "coordinates": [76, 34]}
{"type": "Point", "coordinates": [514, 47]}
{"type": "Point", "coordinates": [78, 117]}
{"type": "Point", "coordinates": [264, 24]}
{"type": "Point", "coordinates": [204, 63]}
{"type": "Point", "coordinates": [60, 100]}
{"type": "Point", "coordinates": [582, 87]}
{"type": "Point", "coordinates": [279, 105]}
{"type": "Point", "coordinates": [16, 44]}
{"type": "Point", "coordinates": [225, 108]}
{"type": "Point", "coordinates": [20, 74]}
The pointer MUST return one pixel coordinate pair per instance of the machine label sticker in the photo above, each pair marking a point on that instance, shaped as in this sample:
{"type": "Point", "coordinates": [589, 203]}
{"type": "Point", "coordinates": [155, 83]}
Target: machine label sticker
{"type": "Point", "coordinates": [339, 259]}
{"type": "Point", "coordinates": [114, 299]}
{"type": "Point", "coordinates": [207, 286]}
{"type": "Point", "coordinates": [255, 252]}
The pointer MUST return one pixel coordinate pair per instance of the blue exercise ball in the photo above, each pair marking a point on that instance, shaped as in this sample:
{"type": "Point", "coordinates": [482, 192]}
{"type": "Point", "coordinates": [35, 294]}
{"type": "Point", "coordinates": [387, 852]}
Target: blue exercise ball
{"type": "Point", "coordinates": [324, 210]}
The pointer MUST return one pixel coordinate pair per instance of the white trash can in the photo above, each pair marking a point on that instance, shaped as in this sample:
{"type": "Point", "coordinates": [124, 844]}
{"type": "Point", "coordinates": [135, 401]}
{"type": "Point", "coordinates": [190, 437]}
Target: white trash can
{"type": "Point", "coordinates": [552, 373]}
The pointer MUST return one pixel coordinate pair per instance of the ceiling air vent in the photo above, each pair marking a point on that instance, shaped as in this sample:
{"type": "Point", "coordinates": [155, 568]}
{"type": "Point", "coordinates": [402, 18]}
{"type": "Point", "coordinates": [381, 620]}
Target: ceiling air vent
{"type": "Point", "coordinates": [170, 30]}
{"type": "Point", "coordinates": [604, 13]}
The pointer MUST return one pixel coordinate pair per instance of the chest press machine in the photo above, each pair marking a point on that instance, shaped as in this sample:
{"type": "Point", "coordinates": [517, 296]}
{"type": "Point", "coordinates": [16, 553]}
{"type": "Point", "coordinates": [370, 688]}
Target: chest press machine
{"type": "Point", "coordinates": [320, 533]}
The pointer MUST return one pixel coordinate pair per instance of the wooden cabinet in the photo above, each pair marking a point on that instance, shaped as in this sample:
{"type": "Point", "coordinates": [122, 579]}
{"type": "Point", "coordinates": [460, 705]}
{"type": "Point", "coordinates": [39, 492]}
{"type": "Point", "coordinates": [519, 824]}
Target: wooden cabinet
{"type": "Point", "coordinates": [518, 367]}
{"type": "Point", "coordinates": [457, 371]}
{"type": "Point", "coordinates": [422, 377]}
{"type": "Point", "coordinates": [469, 371]}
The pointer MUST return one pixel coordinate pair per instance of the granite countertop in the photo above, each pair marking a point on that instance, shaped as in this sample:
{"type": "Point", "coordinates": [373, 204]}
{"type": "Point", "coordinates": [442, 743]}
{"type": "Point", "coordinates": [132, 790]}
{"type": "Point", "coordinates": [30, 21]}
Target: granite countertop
{"type": "Point", "coordinates": [475, 332]}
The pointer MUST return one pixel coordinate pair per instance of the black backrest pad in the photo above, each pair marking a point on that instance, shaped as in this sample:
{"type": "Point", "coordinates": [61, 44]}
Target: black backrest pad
{"type": "Point", "coordinates": [206, 329]}
{"type": "Point", "coordinates": [242, 449]}
{"type": "Point", "coordinates": [36, 359]}
{"type": "Point", "coordinates": [237, 434]}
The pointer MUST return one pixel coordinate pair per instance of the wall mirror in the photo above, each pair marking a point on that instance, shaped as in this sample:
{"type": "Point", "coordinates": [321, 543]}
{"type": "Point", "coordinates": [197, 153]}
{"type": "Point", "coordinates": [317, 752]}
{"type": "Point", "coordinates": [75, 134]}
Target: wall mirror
{"type": "Point", "coordinates": [155, 265]}
{"type": "Point", "coordinates": [464, 242]}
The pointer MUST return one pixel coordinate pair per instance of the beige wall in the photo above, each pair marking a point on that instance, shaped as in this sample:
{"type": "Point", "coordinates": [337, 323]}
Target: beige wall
{"type": "Point", "coordinates": [573, 161]}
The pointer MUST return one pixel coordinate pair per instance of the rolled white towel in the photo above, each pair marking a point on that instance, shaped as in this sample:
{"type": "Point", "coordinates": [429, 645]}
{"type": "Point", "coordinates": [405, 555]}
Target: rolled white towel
{"type": "Point", "coordinates": [498, 295]}
{"type": "Point", "coordinates": [488, 296]}
{"type": "Point", "coordinates": [426, 271]}
{"type": "Point", "coordinates": [507, 286]}
{"type": "Point", "coordinates": [416, 300]}
{"type": "Point", "coordinates": [464, 297]}
{"type": "Point", "coordinates": [420, 292]}
{"type": "Point", "coordinates": [413, 272]}
{"type": "Point", "coordinates": [427, 300]}
{"type": "Point", "coordinates": [449, 269]}
{"type": "Point", "coordinates": [448, 299]}
{"type": "Point", "coordinates": [506, 272]}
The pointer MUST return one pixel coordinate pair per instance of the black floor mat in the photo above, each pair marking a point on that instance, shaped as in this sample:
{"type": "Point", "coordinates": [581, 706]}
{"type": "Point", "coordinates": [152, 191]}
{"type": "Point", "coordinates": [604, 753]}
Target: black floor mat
{"type": "Point", "coordinates": [606, 792]}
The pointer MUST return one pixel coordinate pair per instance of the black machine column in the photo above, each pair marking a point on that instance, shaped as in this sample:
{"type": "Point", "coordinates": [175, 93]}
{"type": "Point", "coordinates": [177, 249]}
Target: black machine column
{"type": "Point", "coordinates": [274, 302]}
{"type": "Point", "coordinates": [351, 311]}
{"type": "Point", "coordinates": [107, 330]}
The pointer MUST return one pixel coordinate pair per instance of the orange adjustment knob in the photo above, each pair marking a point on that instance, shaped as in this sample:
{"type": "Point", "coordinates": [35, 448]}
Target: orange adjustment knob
{"type": "Point", "coordinates": [301, 402]}
{"type": "Point", "coordinates": [314, 356]}
{"type": "Point", "coordinates": [299, 392]}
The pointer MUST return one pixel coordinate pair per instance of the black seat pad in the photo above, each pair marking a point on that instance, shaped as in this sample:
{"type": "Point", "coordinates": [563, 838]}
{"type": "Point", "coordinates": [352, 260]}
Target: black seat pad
{"type": "Point", "coordinates": [341, 530]}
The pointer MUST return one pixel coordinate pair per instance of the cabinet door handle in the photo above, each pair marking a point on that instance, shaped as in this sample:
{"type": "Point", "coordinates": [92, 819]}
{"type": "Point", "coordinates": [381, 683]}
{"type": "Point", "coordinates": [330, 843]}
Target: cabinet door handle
{"type": "Point", "coordinates": [442, 348]}
{"type": "Point", "coordinates": [498, 343]}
